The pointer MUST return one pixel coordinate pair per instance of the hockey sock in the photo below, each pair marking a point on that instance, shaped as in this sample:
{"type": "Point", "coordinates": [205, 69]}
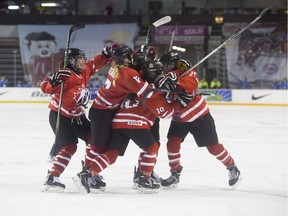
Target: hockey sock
{"type": "Point", "coordinates": [94, 151]}
{"type": "Point", "coordinates": [62, 159]}
{"type": "Point", "coordinates": [140, 158]}
{"type": "Point", "coordinates": [101, 161]}
{"type": "Point", "coordinates": [141, 155]}
{"type": "Point", "coordinates": [173, 149]}
{"type": "Point", "coordinates": [221, 154]}
{"type": "Point", "coordinates": [149, 159]}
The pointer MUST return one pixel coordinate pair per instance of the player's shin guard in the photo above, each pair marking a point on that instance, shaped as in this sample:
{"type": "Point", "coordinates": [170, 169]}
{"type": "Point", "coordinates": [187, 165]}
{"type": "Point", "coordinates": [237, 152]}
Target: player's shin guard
{"type": "Point", "coordinates": [94, 151]}
{"type": "Point", "coordinates": [221, 154]}
{"type": "Point", "coordinates": [62, 159]}
{"type": "Point", "coordinates": [149, 159]}
{"type": "Point", "coordinates": [173, 149]}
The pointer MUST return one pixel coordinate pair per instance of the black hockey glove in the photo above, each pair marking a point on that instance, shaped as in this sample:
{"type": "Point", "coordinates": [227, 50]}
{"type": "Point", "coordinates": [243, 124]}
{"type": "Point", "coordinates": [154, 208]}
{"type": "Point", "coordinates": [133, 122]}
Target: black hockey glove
{"type": "Point", "coordinates": [59, 77]}
{"type": "Point", "coordinates": [167, 81]}
{"type": "Point", "coordinates": [184, 98]}
{"type": "Point", "coordinates": [107, 52]}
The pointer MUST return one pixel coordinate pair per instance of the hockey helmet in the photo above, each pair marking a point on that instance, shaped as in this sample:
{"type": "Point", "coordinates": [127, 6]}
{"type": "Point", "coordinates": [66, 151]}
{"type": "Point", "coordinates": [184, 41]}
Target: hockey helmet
{"type": "Point", "coordinates": [169, 61]}
{"type": "Point", "coordinates": [184, 64]}
{"type": "Point", "coordinates": [151, 53]}
{"type": "Point", "coordinates": [170, 57]}
{"type": "Point", "coordinates": [138, 58]}
{"type": "Point", "coordinates": [72, 55]}
{"type": "Point", "coordinates": [122, 55]}
{"type": "Point", "coordinates": [151, 70]}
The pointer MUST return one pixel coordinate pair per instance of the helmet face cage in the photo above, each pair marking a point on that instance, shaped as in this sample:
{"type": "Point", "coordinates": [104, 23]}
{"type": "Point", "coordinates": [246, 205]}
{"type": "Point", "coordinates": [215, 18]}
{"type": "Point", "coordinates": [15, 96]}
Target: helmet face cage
{"type": "Point", "coordinates": [123, 55]}
{"type": "Point", "coordinates": [151, 70]}
{"type": "Point", "coordinates": [169, 66]}
{"type": "Point", "coordinates": [138, 58]}
{"type": "Point", "coordinates": [73, 55]}
{"type": "Point", "coordinates": [169, 61]}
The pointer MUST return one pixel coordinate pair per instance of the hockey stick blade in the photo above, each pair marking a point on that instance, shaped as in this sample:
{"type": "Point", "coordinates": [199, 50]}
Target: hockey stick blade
{"type": "Point", "coordinates": [156, 24]}
{"type": "Point", "coordinates": [162, 21]}
{"type": "Point", "coordinates": [77, 26]}
{"type": "Point", "coordinates": [264, 11]}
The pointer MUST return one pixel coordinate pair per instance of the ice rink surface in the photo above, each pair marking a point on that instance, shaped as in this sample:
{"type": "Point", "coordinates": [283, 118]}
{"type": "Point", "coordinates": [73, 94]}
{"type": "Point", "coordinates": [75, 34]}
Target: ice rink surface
{"type": "Point", "coordinates": [256, 136]}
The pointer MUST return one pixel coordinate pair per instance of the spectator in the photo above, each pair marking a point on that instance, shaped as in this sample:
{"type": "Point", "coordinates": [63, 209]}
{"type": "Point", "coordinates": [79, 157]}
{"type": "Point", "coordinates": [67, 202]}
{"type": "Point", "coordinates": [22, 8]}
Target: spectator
{"type": "Point", "coordinates": [3, 82]}
{"type": "Point", "coordinates": [40, 9]}
{"type": "Point", "coordinates": [108, 9]}
{"type": "Point", "coordinates": [183, 7]}
{"type": "Point", "coordinates": [203, 84]}
{"type": "Point", "coordinates": [244, 84]}
{"type": "Point", "coordinates": [275, 84]}
{"type": "Point", "coordinates": [26, 9]}
{"type": "Point", "coordinates": [284, 83]}
{"type": "Point", "coordinates": [215, 83]}
{"type": "Point", "coordinates": [26, 83]}
{"type": "Point", "coordinates": [19, 84]}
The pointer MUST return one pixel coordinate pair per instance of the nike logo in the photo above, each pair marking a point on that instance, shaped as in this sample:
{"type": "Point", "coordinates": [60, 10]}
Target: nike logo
{"type": "Point", "coordinates": [1, 93]}
{"type": "Point", "coordinates": [256, 98]}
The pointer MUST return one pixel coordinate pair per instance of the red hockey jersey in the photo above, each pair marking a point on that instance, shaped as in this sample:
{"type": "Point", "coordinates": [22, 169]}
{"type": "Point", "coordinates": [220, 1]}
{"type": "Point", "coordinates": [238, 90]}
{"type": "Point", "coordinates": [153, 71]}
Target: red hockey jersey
{"type": "Point", "coordinates": [120, 81]}
{"type": "Point", "coordinates": [133, 115]}
{"type": "Point", "coordinates": [76, 93]}
{"type": "Point", "coordinates": [197, 107]}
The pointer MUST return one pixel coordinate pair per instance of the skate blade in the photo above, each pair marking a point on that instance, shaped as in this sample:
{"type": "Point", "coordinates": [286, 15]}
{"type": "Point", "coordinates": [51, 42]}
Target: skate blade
{"type": "Point", "coordinates": [102, 189]}
{"type": "Point", "coordinates": [171, 187]}
{"type": "Point", "coordinates": [97, 190]}
{"type": "Point", "coordinates": [52, 189]}
{"type": "Point", "coordinates": [94, 190]}
{"type": "Point", "coordinates": [80, 187]}
{"type": "Point", "coordinates": [147, 191]}
{"type": "Point", "coordinates": [233, 187]}
{"type": "Point", "coordinates": [135, 186]}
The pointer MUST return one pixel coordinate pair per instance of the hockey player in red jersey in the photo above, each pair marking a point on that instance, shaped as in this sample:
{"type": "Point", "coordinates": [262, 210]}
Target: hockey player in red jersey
{"type": "Point", "coordinates": [73, 122]}
{"type": "Point", "coordinates": [195, 118]}
{"type": "Point", "coordinates": [122, 79]}
{"type": "Point", "coordinates": [133, 121]}
{"type": "Point", "coordinates": [139, 57]}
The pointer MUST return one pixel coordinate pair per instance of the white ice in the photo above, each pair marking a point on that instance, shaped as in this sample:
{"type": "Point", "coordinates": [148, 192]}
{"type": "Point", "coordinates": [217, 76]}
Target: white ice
{"type": "Point", "coordinates": [256, 136]}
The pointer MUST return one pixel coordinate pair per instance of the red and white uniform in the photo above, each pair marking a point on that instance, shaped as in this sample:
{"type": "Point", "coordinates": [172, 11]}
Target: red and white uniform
{"type": "Point", "coordinates": [197, 107]}
{"type": "Point", "coordinates": [75, 94]}
{"type": "Point", "coordinates": [120, 81]}
{"type": "Point", "coordinates": [132, 115]}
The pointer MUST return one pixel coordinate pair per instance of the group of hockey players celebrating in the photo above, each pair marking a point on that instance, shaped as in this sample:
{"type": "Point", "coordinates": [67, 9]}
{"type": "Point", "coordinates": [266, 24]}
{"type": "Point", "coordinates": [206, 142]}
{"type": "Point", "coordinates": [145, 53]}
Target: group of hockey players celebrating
{"type": "Point", "coordinates": [140, 90]}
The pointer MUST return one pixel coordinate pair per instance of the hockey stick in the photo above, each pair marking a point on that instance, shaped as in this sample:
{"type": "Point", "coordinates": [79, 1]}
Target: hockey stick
{"type": "Point", "coordinates": [169, 91]}
{"type": "Point", "coordinates": [145, 95]}
{"type": "Point", "coordinates": [156, 24]}
{"type": "Point", "coordinates": [232, 37]}
{"type": "Point", "coordinates": [172, 38]}
{"type": "Point", "coordinates": [54, 148]}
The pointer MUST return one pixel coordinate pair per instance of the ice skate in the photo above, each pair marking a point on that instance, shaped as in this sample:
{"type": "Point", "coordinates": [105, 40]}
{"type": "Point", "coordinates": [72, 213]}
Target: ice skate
{"type": "Point", "coordinates": [173, 180]}
{"type": "Point", "coordinates": [82, 182]}
{"type": "Point", "coordinates": [97, 184]}
{"type": "Point", "coordinates": [147, 185]}
{"type": "Point", "coordinates": [137, 175]}
{"type": "Point", "coordinates": [234, 176]}
{"type": "Point", "coordinates": [156, 177]}
{"type": "Point", "coordinates": [53, 184]}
